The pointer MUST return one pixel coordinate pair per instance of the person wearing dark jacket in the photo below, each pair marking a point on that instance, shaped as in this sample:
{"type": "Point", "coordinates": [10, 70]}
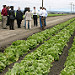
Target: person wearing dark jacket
{"type": "Point", "coordinates": [12, 17]}
{"type": "Point", "coordinates": [19, 17]}
{"type": "Point", "coordinates": [8, 16]}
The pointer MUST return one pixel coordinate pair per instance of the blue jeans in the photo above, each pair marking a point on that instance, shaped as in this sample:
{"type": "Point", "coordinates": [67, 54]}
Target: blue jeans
{"type": "Point", "coordinates": [45, 21]}
{"type": "Point", "coordinates": [40, 22]}
{"type": "Point", "coordinates": [25, 24]}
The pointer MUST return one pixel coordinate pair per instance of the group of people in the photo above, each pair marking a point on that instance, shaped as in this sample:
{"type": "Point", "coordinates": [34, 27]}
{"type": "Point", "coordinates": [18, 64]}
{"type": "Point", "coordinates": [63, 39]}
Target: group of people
{"type": "Point", "coordinates": [9, 15]}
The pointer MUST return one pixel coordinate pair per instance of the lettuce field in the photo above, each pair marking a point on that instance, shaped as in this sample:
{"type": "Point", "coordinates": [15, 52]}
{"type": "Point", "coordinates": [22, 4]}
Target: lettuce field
{"type": "Point", "coordinates": [38, 54]}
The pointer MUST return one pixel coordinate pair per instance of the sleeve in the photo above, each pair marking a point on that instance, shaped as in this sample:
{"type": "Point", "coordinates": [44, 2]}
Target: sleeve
{"type": "Point", "coordinates": [14, 14]}
{"type": "Point", "coordinates": [9, 12]}
{"type": "Point", "coordinates": [37, 12]}
{"type": "Point", "coordinates": [46, 13]}
{"type": "Point", "coordinates": [32, 12]}
{"type": "Point", "coordinates": [25, 15]}
{"type": "Point", "coordinates": [22, 15]}
{"type": "Point", "coordinates": [2, 12]}
{"type": "Point", "coordinates": [6, 12]}
{"type": "Point", "coordinates": [40, 12]}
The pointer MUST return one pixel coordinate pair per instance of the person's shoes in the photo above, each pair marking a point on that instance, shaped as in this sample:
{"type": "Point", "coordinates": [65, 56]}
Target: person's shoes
{"type": "Point", "coordinates": [40, 28]}
{"type": "Point", "coordinates": [13, 29]}
{"type": "Point", "coordinates": [4, 28]}
{"type": "Point", "coordinates": [19, 27]}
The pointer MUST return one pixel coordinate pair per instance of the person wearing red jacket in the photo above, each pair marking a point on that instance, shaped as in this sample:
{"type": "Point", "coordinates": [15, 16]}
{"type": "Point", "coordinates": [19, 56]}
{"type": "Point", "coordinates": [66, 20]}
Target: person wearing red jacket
{"type": "Point", "coordinates": [4, 17]}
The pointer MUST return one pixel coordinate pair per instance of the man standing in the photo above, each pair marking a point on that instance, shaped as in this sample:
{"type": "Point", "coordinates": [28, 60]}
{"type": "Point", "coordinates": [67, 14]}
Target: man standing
{"type": "Point", "coordinates": [46, 14]}
{"type": "Point", "coordinates": [19, 17]}
{"type": "Point", "coordinates": [35, 12]}
{"type": "Point", "coordinates": [12, 18]}
{"type": "Point", "coordinates": [40, 16]}
{"type": "Point", "coordinates": [8, 16]}
{"type": "Point", "coordinates": [28, 18]}
{"type": "Point", "coordinates": [4, 17]}
{"type": "Point", "coordinates": [43, 19]}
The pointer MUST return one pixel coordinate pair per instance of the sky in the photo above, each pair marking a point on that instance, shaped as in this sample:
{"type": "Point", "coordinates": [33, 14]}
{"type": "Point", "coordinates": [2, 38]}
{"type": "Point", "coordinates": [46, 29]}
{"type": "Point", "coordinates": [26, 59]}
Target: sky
{"type": "Point", "coordinates": [52, 5]}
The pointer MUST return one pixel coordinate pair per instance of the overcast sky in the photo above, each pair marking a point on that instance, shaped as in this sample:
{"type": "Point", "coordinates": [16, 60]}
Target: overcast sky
{"type": "Point", "coordinates": [58, 5]}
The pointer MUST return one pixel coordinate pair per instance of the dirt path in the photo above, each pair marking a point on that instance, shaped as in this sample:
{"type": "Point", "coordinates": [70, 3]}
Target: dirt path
{"type": "Point", "coordinates": [59, 65]}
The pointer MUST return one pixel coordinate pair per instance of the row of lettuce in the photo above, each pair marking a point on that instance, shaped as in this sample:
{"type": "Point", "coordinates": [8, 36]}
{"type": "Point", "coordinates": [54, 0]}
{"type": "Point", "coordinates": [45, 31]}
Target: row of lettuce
{"type": "Point", "coordinates": [40, 61]}
{"type": "Point", "coordinates": [20, 47]}
{"type": "Point", "coordinates": [70, 63]}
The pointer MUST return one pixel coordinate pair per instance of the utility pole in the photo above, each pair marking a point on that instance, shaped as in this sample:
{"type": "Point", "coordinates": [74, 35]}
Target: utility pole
{"type": "Point", "coordinates": [42, 3]}
{"type": "Point", "coordinates": [71, 7]}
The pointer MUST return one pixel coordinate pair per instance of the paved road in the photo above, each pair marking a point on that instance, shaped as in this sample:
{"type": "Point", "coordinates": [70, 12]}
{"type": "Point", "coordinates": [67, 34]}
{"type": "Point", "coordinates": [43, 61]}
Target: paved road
{"type": "Point", "coordinates": [8, 36]}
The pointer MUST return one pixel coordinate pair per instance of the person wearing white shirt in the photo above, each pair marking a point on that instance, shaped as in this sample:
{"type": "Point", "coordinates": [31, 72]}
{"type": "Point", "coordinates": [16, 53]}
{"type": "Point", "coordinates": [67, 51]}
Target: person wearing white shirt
{"type": "Point", "coordinates": [35, 13]}
{"type": "Point", "coordinates": [40, 16]}
{"type": "Point", "coordinates": [46, 14]}
{"type": "Point", "coordinates": [28, 18]}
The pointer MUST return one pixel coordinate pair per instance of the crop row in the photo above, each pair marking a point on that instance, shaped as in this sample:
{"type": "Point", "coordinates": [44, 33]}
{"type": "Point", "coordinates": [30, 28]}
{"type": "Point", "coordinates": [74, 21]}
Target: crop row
{"type": "Point", "coordinates": [39, 61]}
{"type": "Point", "coordinates": [20, 47]}
{"type": "Point", "coordinates": [70, 62]}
